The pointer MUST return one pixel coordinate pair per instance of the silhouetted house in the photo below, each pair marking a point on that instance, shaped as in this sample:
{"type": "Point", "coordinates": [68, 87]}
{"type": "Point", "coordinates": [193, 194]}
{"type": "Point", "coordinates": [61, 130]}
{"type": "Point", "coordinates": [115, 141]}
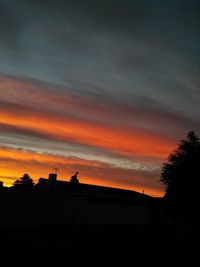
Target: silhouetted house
{"type": "Point", "coordinates": [54, 202]}
{"type": "Point", "coordinates": [50, 182]}
{"type": "Point", "coordinates": [86, 204]}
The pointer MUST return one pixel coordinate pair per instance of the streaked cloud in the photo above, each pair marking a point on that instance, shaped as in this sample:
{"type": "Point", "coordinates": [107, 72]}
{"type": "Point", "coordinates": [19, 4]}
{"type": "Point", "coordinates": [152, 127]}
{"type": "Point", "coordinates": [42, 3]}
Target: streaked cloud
{"type": "Point", "coordinates": [15, 162]}
{"type": "Point", "coordinates": [111, 82]}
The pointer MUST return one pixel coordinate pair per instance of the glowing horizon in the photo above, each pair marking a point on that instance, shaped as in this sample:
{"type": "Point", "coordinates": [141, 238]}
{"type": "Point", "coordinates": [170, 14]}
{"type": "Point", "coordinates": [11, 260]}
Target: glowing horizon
{"type": "Point", "coordinates": [106, 89]}
{"type": "Point", "coordinates": [17, 162]}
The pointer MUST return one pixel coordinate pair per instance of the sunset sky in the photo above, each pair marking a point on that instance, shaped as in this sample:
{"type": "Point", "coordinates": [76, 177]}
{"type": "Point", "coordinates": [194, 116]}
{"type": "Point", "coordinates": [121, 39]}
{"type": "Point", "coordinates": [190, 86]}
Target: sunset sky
{"type": "Point", "coordinates": [103, 87]}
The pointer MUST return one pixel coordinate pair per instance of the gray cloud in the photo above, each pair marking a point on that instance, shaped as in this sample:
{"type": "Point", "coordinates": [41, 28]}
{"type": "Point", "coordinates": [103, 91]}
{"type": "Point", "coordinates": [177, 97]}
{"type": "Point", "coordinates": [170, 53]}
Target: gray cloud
{"type": "Point", "coordinates": [115, 48]}
{"type": "Point", "coordinates": [127, 63]}
{"type": "Point", "coordinates": [82, 40]}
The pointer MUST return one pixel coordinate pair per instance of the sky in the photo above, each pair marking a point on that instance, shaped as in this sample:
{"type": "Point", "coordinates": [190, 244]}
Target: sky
{"type": "Point", "coordinates": [105, 88]}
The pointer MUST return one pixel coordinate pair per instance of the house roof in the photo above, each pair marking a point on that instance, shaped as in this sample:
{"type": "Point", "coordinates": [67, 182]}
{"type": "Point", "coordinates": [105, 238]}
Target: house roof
{"type": "Point", "coordinates": [95, 192]}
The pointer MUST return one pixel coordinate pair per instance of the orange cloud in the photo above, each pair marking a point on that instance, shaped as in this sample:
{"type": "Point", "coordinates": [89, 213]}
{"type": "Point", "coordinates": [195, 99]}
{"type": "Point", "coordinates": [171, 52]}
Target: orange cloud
{"type": "Point", "coordinates": [14, 163]}
{"type": "Point", "coordinates": [34, 110]}
{"type": "Point", "coordinates": [85, 132]}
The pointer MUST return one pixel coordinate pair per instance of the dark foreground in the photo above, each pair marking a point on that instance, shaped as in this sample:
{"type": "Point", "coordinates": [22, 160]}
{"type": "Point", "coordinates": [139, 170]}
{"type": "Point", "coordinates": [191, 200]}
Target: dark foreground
{"type": "Point", "coordinates": [101, 245]}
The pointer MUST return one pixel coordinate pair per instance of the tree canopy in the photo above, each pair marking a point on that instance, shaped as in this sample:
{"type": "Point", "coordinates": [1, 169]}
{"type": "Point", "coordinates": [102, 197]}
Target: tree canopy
{"type": "Point", "coordinates": [180, 175]}
{"type": "Point", "coordinates": [24, 182]}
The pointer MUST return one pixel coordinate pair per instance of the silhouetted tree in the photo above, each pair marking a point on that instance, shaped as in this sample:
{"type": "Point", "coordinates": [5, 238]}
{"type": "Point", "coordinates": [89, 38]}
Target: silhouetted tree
{"type": "Point", "coordinates": [24, 182]}
{"type": "Point", "coordinates": [181, 177]}
{"type": "Point", "coordinates": [1, 184]}
{"type": "Point", "coordinates": [16, 183]}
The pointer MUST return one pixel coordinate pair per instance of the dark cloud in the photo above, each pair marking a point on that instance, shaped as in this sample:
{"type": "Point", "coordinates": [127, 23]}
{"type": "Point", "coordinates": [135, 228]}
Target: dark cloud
{"type": "Point", "coordinates": [131, 64]}
{"type": "Point", "coordinates": [18, 130]}
{"type": "Point", "coordinates": [78, 24]}
{"type": "Point", "coordinates": [9, 27]}
{"type": "Point", "coordinates": [102, 46]}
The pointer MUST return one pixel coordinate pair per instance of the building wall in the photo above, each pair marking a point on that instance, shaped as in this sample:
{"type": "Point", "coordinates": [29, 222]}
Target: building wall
{"type": "Point", "coordinates": [30, 208]}
{"type": "Point", "coordinates": [102, 214]}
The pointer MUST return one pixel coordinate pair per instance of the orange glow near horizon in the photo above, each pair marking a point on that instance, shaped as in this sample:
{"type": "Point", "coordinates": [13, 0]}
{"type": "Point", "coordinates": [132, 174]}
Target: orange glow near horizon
{"type": "Point", "coordinates": [15, 163]}
{"type": "Point", "coordinates": [87, 180]}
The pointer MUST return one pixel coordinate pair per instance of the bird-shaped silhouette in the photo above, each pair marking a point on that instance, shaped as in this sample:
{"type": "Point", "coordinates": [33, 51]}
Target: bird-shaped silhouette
{"type": "Point", "coordinates": [74, 179]}
{"type": "Point", "coordinates": [74, 176]}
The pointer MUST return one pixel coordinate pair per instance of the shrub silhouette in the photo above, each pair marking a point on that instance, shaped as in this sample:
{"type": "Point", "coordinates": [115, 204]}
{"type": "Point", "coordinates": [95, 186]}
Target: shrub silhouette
{"type": "Point", "coordinates": [180, 176]}
{"type": "Point", "coordinates": [25, 182]}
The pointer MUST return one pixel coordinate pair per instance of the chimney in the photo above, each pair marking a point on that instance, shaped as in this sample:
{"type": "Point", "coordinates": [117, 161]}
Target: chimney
{"type": "Point", "coordinates": [52, 177]}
